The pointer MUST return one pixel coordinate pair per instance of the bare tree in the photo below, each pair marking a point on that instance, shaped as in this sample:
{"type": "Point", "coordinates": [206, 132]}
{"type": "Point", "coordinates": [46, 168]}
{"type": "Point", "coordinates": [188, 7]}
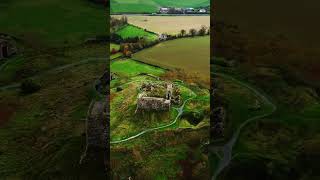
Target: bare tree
{"type": "Point", "coordinates": [182, 32]}
{"type": "Point", "coordinates": [203, 30]}
{"type": "Point", "coordinates": [192, 32]}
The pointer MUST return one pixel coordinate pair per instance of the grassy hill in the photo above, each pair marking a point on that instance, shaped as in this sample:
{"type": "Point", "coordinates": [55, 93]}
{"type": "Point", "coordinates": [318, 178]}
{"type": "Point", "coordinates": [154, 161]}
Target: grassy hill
{"type": "Point", "coordinates": [38, 130]}
{"type": "Point", "coordinates": [149, 6]}
{"type": "Point", "coordinates": [179, 141]}
{"type": "Point", "coordinates": [52, 22]}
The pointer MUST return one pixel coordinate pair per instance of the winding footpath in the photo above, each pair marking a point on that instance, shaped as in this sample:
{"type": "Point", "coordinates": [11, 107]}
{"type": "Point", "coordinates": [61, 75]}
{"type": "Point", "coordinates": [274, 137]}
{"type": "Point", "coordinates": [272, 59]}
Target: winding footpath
{"type": "Point", "coordinates": [227, 148]}
{"type": "Point", "coordinates": [180, 111]}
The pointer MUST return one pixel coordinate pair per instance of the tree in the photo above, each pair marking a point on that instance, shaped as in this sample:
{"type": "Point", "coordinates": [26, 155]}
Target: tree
{"type": "Point", "coordinates": [128, 53]}
{"type": "Point", "coordinates": [192, 32]}
{"type": "Point", "coordinates": [124, 19]}
{"type": "Point", "coordinates": [203, 30]}
{"type": "Point", "coordinates": [182, 32]}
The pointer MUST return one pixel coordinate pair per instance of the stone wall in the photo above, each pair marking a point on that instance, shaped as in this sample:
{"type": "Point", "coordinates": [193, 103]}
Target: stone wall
{"type": "Point", "coordinates": [153, 104]}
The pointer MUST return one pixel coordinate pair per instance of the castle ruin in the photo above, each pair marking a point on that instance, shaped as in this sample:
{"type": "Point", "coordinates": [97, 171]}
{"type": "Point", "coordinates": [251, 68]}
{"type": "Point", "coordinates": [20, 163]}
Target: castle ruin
{"type": "Point", "coordinates": [153, 99]}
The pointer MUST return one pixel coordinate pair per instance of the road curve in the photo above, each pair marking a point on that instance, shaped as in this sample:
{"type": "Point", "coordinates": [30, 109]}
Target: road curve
{"type": "Point", "coordinates": [226, 149]}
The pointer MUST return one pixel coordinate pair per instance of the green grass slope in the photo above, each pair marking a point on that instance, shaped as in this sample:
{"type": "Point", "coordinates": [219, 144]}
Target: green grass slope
{"type": "Point", "coordinates": [48, 125]}
{"type": "Point", "coordinates": [52, 22]}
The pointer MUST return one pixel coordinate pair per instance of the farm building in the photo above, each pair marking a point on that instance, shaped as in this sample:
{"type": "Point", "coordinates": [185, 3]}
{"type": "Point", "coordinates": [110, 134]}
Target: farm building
{"type": "Point", "coordinates": [164, 10]}
{"type": "Point", "coordinates": [202, 10]}
{"type": "Point", "coordinates": [163, 37]}
{"type": "Point", "coordinates": [189, 10]}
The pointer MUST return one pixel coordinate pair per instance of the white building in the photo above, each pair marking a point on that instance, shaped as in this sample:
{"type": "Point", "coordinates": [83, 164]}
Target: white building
{"type": "Point", "coordinates": [202, 10]}
{"type": "Point", "coordinates": [164, 10]}
{"type": "Point", "coordinates": [163, 37]}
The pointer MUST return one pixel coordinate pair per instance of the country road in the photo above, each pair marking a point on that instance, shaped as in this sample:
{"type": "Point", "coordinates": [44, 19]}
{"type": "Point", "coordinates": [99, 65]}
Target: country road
{"type": "Point", "coordinates": [227, 148]}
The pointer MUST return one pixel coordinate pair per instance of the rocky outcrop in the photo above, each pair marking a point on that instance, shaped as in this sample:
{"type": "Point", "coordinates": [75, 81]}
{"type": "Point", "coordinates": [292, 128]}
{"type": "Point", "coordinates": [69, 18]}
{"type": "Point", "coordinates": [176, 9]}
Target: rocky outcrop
{"type": "Point", "coordinates": [97, 135]}
{"type": "Point", "coordinates": [219, 116]}
{"type": "Point", "coordinates": [218, 110]}
{"type": "Point", "coordinates": [7, 47]}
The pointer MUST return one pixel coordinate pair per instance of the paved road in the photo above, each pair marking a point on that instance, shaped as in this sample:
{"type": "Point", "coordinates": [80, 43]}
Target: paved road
{"type": "Point", "coordinates": [227, 148]}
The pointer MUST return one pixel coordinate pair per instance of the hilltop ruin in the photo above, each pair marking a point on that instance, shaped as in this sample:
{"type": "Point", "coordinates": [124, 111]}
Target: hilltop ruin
{"type": "Point", "coordinates": [157, 97]}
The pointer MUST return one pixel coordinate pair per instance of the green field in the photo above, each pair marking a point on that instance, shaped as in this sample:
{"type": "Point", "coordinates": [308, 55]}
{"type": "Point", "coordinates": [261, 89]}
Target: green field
{"type": "Point", "coordinates": [50, 23]}
{"type": "Point", "coordinates": [45, 127]}
{"type": "Point", "coordinates": [165, 147]}
{"type": "Point", "coordinates": [131, 68]}
{"type": "Point", "coordinates": [190, 54]}
{"type": "Point", "coordinates": [39, 129]}
{"type": "Point", "coordinates": [130, 31]}
{"type": "Point", "coordinates": [149, 6]}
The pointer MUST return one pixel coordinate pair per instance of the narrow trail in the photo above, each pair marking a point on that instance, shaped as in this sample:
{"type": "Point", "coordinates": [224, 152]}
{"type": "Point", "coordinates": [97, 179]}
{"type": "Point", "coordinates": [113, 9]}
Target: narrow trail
{"type": "Point", "coordinates": [227, 148]}
{"type": "Point", "coordinates": [55, 70]}
{"type": "Point", "coordinates": [180, 111]}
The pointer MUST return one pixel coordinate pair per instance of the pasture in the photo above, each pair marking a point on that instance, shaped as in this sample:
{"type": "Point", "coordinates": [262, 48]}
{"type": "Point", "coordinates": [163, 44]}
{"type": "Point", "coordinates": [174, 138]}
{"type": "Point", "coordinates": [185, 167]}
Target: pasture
{"type": "Point", "coordinates": [168, 24]}
{"type": "Point", "coordinates": [52, 22]}
{"type": "Point", "coordinates": [190, 54]}
{"type": "Point", "coordinates": [130, 31]}
{"type": "Point", "coordinates": [150, 6]}
{"type": "Point", "coordinates": [128, 67]}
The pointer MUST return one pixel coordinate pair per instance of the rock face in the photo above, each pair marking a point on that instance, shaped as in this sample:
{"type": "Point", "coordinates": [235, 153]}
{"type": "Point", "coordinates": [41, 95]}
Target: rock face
{"type": "Point", "coordinates": [97, 135]}
{"type": "Point", "coordinates": [218, 110]}
{"type": "Point", "coordinates": [219, 116]}
{"type": "Point", "coordinates": [7, 47]}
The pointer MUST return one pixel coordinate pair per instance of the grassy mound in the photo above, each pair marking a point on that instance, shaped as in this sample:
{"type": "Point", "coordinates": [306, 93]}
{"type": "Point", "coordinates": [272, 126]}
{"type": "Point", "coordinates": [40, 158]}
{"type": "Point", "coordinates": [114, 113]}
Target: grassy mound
{"type": "Point", "coordinates": [171, 148]}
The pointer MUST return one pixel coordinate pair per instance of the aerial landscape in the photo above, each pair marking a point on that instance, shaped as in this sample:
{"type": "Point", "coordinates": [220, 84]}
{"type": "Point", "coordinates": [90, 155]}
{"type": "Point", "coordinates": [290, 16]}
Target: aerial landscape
{"type": "Point", "coordinates": [265, 79]}
{"type": "Point", "coordinates": [50, 60]}
{"type": "Point", "coordinates": [159, 97]}
{"type": "Point", "coordinates": [159, 90]}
